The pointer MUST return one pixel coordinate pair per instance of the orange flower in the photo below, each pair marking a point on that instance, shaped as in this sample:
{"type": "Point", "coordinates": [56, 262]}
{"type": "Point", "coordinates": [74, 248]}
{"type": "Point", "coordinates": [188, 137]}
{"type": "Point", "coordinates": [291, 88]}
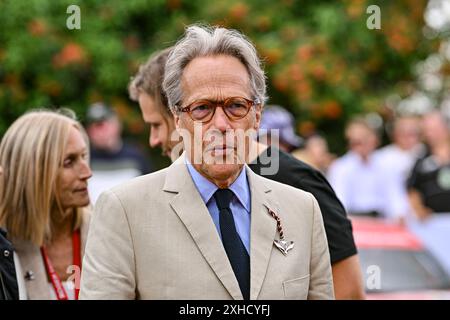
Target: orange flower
{"type": "Point", "coordinates": [136, 126]}
{"type": "Point", "coordinates": [306, 128]}
{"type": "Point", "coordinates": [303, 90]}
{"type": "Point", "coordinates": [400, 42]}
{"type": "Point", "coordinates": [445, 69]}
{"type": "Point", "coordinates": [295, 72]}
{"type": "Point", "coordinates": [71, 53]}
{"type": "Point", "coordinates": [174, 4]}
{"type": "Point", "coordinates": [356, 8]}
{"type": "Point", "coordinates": [37, 27]}
{"type": "Point", "coordinates": [239, 11]}
{"type": "Point", "coordinates": [281, 83]}
{"type": "Point", "coordinates": [373, 63]}
{"type": "Point", "coordinates": [304, 53]}
{"type": "Point", "coordinates": [264, 23]}
{"type": "Point", "coordinates": [273, 55]}
{"type": "Point", "coordinates": [11, 79]}
{"type": "Point", "coordinates": [332, 110]}
{"type": "Point", "coordinates": [319, 72]}
{"type": "Point", "coordinates": [336, 73]}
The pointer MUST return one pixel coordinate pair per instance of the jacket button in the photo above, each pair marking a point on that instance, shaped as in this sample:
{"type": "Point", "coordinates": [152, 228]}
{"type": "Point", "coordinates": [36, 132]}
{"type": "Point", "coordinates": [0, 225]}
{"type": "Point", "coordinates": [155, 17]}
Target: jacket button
{"type": "Point", "coordinates": [6, 253]}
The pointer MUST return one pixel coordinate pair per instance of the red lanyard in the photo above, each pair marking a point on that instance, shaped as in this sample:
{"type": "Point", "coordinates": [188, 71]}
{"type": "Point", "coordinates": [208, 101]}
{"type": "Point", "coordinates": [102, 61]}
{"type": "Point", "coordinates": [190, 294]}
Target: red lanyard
{"type": "Point", "coordinates": [57, 285]}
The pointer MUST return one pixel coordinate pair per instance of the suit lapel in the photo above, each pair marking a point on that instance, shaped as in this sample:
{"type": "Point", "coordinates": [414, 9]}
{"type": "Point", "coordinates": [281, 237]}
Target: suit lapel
{"type": "Point", "coordinates": [32, 264]}
{"type": "Point", "coordinates": [263, 231]}
{"type": "Point", "coordinates": [190, 208]}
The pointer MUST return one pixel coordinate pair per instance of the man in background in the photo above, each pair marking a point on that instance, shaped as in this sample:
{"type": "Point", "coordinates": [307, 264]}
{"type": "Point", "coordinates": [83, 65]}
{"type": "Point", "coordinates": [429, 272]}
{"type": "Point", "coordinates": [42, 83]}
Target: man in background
{"type": "Point", "coordinates": [315, 152]}
{"type": "Point", "coordinates": [277, 124]}
{"type": "Point", "coordinates": [356, 176]}
{"type": "Point", "coordinates": [146, 88]}
{"type": "Point", "coordinates": [398, 159]}
{"type": "Point", "coordinates": [113, 160]}
{"type": "Point", "coordinates": [429, 182]}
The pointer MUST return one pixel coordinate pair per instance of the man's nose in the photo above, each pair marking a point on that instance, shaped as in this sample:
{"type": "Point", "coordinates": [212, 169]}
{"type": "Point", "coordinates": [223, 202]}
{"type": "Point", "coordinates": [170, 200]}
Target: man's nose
{"type": "Point", "coordinates": [154, 139]}
{"type": "Point", "coordinates": [220, 120]}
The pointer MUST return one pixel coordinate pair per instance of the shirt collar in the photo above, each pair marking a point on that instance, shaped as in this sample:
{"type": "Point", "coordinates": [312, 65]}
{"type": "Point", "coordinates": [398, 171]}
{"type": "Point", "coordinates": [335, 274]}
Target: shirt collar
{"type": "Point", "coordinates": [207, 188]}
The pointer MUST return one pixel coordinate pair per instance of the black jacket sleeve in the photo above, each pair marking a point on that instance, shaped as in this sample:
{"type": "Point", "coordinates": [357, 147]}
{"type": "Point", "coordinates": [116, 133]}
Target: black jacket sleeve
{"type": "Point", "coordinates": [8, 281]}
{"type": "Point", "coordinates": [337, 226]}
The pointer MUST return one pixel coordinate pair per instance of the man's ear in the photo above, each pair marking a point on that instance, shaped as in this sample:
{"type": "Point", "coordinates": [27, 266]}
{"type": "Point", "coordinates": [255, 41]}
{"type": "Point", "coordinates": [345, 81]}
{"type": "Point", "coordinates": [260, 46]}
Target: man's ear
{"type": "Point", "coordinates": [258, 114]}
{"type": "Point", "coordinates": [176, 118]}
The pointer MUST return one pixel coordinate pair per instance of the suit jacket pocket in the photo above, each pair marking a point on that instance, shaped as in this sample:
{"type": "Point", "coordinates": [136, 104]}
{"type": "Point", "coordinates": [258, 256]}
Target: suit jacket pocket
{"type": "Point", "coordinates": [296, 288]}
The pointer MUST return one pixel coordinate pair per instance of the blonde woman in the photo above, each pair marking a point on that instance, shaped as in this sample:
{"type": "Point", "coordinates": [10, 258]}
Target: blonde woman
{"type": "Point", "coordinates": [43, 200]}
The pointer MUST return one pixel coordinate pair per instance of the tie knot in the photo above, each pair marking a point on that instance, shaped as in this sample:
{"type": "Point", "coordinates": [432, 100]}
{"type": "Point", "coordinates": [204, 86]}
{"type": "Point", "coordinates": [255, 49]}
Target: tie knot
{"type": "Point", "coordinates": [223, 198]}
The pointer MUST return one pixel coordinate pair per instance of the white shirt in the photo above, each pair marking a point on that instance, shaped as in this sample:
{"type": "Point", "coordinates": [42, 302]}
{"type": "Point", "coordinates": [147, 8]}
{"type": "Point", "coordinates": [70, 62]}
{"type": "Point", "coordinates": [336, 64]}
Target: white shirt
{"type": "Point", "coordinates": [396, 167]}
{"type": "Point", "coordinates": [69, 286]}
{"type": "Point", "coordinates": [400, 161]}
{"type": "Point", "coordinates": [358, 184]}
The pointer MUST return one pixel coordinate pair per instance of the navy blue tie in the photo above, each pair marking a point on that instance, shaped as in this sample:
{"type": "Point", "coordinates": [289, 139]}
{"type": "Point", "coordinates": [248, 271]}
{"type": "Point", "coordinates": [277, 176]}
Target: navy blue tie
{"type": "Point", "coordinates": [236, 252]}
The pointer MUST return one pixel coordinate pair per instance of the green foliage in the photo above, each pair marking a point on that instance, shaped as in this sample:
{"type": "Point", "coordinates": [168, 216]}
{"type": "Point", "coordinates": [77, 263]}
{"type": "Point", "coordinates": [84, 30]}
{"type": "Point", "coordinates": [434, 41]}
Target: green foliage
{"type": "Point", "coordinates": [322, 62]}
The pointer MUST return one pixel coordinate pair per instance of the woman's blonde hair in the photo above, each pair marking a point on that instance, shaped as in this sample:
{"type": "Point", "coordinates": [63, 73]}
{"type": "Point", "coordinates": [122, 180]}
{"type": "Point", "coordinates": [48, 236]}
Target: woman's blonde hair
{"type": "Point", "coordinates": [31, 154]}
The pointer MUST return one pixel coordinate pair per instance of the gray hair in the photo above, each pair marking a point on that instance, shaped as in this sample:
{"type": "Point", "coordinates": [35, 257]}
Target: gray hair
{"type": "Point", "coordinates": [200, 41]}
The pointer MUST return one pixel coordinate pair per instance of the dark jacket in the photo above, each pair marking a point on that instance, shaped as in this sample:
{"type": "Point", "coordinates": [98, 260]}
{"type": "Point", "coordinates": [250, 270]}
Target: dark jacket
{"type": "Point", "coordinates": [8, 280]}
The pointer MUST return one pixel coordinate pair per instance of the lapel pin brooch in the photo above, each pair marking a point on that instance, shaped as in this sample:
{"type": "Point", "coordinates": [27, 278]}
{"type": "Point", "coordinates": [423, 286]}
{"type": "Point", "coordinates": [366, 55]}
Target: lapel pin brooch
{"type": "Point", "coordinates": [283, 245]}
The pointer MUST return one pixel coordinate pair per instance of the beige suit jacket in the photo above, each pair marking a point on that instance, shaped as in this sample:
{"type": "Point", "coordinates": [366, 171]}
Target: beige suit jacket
{"type": "Point", "coordinates": [32, 265]}
{"type": "Point", "coordinates": [153, 238]}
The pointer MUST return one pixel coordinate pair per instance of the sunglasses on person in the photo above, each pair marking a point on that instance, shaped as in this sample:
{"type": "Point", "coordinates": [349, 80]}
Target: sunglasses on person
{"type": "Point", "coordinates": [235, 108]}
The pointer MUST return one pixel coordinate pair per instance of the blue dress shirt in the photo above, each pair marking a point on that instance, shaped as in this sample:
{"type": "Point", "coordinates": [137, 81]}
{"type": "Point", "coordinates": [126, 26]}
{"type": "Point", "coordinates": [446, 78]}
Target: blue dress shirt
{"type": "Point", "coordinates": [240, 204]}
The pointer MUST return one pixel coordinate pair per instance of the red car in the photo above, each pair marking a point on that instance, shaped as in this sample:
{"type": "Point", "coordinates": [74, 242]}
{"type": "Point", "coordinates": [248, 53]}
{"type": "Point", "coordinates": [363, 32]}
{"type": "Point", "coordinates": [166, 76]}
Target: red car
{"type": "Point", "coordinates": [395, 264]}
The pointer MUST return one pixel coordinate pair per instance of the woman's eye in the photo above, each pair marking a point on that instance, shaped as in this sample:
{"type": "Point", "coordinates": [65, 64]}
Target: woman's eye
{"type": "Point", "coordinates": [67, 163]}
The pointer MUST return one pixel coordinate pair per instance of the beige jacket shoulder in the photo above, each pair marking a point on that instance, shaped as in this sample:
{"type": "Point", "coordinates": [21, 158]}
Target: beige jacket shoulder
{"type": "Point", "coordinates": [32, 265]}
{"type": "Point", "coordinates": [153, 238]}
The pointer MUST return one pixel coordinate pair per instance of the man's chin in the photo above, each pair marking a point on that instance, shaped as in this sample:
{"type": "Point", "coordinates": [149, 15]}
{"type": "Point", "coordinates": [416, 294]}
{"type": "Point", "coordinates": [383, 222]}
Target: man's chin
{"type": "Point", "coordinates": [222, 171]}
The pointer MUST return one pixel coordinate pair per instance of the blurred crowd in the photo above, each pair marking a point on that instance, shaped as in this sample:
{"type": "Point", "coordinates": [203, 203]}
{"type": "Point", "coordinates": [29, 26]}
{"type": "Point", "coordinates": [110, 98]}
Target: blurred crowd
{"type": "Point", "coordinates": [406, 178]}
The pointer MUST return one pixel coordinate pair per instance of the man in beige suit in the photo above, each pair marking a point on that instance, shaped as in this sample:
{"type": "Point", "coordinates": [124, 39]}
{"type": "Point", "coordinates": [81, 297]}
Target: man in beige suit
{"type": "Point", "coordinates": [207, 227]}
